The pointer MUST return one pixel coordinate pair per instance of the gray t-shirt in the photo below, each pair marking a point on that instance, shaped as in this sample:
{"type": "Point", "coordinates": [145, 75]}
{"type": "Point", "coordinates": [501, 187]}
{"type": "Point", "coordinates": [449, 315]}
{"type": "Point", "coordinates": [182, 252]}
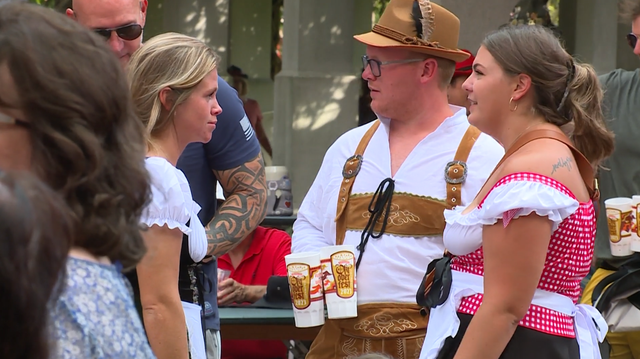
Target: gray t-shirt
{"type": "Point", "coordinates": [622, 179]}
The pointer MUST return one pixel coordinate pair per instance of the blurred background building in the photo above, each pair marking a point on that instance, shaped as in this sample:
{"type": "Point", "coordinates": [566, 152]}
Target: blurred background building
{"type": "Point", "coordinates": [304, 67]}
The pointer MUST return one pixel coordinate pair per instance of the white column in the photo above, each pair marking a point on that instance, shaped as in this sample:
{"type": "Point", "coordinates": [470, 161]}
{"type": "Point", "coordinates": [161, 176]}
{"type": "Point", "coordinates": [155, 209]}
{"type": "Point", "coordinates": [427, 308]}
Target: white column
{"type": "Point", "coordinates": [207, 20]}
{"type": "Point", "coordinates": [316, 93]}
{"type": "Point", "coordinates": [477, 18]}
{"type": "Point", "coordinates": [595, 34]}
{"type": "Point", "coordinates": [250, 49]}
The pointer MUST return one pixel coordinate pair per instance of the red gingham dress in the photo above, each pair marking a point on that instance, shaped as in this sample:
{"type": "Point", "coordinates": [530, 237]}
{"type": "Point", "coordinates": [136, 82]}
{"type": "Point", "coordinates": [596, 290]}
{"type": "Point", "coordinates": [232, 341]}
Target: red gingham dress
{"type": "Point", "coordinates": [567, 263]}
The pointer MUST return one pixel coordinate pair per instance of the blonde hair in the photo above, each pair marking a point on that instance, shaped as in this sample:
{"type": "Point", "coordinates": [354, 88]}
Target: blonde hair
{"type": "Point", "coordinates": [171, 60]}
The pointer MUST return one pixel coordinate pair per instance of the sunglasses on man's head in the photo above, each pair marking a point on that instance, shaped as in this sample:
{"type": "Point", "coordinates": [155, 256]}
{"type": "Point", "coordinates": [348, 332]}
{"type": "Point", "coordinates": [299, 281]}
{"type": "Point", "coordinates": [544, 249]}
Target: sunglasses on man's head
{"type": "Point", "coordinates": [126, 32]}
{"type": "Point", "coordinates": [632, 40]}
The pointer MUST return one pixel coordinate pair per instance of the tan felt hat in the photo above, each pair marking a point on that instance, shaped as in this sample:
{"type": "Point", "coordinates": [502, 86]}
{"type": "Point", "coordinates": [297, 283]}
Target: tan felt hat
{"type": "Point", "coordinates": [397, 29]}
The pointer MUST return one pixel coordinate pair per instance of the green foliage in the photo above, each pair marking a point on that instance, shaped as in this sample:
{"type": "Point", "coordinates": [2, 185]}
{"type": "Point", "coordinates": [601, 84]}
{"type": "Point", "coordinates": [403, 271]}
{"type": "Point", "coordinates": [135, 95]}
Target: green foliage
{"type": "Point", "coordinates": [554, 7]}
{"type": "Point", "coordinates": [378, 9]}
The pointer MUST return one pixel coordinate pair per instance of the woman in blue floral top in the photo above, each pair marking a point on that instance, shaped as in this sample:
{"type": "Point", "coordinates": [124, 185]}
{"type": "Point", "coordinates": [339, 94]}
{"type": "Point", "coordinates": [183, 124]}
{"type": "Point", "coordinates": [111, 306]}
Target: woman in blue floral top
{"type": "Point", "coordinates": [70, 121]}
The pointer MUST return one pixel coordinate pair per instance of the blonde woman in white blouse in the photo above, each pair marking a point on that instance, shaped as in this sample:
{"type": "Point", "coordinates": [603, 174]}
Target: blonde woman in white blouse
{"type": "Point", "coordinates": [173, 81]}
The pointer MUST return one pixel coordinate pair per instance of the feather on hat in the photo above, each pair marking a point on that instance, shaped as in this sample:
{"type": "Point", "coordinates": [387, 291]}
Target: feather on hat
{"type": "Point", "coordinates": [419, 26]}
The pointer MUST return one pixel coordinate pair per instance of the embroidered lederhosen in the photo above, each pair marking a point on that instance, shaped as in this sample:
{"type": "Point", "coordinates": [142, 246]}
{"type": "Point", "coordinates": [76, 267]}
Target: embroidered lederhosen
{"type": "Point", "coordinates": [426, 215]}
{"type": "Point", "coordinates": [396, 329]}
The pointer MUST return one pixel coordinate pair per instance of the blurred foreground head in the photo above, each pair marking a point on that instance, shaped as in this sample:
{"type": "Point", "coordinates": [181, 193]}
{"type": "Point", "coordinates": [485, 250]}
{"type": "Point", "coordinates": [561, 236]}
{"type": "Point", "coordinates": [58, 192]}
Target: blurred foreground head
{"type": "Point", "coordinates": [66, 115]}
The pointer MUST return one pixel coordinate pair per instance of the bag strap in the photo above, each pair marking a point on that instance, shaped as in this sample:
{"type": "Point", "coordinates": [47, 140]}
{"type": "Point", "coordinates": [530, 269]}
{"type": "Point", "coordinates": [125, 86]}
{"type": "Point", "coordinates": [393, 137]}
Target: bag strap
{"type": "Point", "coordinates": [349, 172]}
{"type": "Point", "coordinates": [455, 173]}
{"type": "Point", "coordinates": [601, 294]}
{"type": "Point", "coordinates": [603, 284]}
{"type": "Point", "coordinates": [584, 166]}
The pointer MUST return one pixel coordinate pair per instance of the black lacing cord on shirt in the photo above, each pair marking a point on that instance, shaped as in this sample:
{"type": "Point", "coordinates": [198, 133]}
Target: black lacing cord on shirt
{"type": "Point", "coordinates": [202, 280]}
{"type": "Point", "coordinates": [380, 204]}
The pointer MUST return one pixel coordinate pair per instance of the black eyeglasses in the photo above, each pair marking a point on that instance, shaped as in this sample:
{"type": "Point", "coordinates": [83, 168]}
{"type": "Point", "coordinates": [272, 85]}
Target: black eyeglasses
{"type": "Point", "coordinates": [126, 32]}
{"type": "Point", "coordinates": [632, 40]}
{"type": "Point", "coordinates": [13, 121]}
{"type": "Point", "coordinates": [376, 64]}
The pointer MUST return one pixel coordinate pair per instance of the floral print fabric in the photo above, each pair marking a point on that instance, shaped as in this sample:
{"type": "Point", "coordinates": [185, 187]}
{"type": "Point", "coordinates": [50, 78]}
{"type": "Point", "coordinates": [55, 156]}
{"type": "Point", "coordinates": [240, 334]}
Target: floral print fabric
{"type": "Point", "coordinates": [95, 318]}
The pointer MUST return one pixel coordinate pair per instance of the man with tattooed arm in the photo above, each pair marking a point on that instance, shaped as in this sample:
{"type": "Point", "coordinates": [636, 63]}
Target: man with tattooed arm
{"type": "Point", "coordinates": [232, 157]}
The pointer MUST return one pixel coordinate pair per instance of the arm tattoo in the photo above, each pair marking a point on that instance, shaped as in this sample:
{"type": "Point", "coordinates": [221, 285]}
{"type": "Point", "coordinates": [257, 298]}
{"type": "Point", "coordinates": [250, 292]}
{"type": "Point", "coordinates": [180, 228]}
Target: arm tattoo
{"type": "Point", "coordinates": [563, 162]}
{"type": "Point", "coordinates": [245, 207]}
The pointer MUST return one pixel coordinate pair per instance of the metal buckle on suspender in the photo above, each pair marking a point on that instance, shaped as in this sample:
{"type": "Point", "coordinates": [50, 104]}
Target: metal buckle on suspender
{"type": "Point", "coordinates": [459, 180]}
{"type": "Point", "coordinates": [348, 171]}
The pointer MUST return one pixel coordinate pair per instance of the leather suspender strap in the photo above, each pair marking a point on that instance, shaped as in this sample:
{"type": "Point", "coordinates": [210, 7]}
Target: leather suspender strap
{"type": "Point", "coordinates": [455, 173]}
{"type": "Point", "coordinates": [584, 166]}
{"type": "Point", "coordinates": [349, 172]}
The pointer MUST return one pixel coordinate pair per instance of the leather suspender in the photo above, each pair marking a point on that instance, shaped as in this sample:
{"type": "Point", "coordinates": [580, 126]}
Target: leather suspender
{"type": "Point", "coordinates": [349, 172]}
{"type": "Point", "coordinates": [455, 174]}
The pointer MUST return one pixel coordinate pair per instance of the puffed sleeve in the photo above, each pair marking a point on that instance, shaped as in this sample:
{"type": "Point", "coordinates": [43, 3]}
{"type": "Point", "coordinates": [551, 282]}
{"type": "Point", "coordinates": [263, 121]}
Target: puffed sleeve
{"type": "Point", "coordinates": [168, 204]}
{"type": "Point", "coordinates": [522, 194]}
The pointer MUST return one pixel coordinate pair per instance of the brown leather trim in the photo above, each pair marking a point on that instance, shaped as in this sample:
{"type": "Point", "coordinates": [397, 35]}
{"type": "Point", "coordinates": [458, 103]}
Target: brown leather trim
{"type": "Point", "coordinates": [410, 215]}
{"type": "Point", "coordinates": [352, 164]}
{"type": "Point", "coordinates": [456, 171]}
{"type": "Point", "coordinates": [455, 175]}
{"type": "Point", "coordinates": [584, 166]}
{"type": "Point", "coordinates": [400, 37]}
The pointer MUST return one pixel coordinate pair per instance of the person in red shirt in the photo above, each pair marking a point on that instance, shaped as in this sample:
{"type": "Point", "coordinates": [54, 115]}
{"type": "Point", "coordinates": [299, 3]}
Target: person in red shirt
{"type": "Point", "coordinates": [456, 94]}
{"type": "Point", "coordinates": [252, 263]}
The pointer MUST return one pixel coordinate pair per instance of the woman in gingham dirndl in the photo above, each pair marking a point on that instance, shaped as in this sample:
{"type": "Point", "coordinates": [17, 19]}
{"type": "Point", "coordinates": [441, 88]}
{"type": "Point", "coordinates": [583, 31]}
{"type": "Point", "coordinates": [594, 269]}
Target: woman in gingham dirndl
{"type": "Point", "coordinates": [520, 250]}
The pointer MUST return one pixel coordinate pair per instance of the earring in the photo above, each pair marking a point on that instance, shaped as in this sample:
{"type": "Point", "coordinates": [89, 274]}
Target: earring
{"type": "Point", "coordinates": [515, 108]}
